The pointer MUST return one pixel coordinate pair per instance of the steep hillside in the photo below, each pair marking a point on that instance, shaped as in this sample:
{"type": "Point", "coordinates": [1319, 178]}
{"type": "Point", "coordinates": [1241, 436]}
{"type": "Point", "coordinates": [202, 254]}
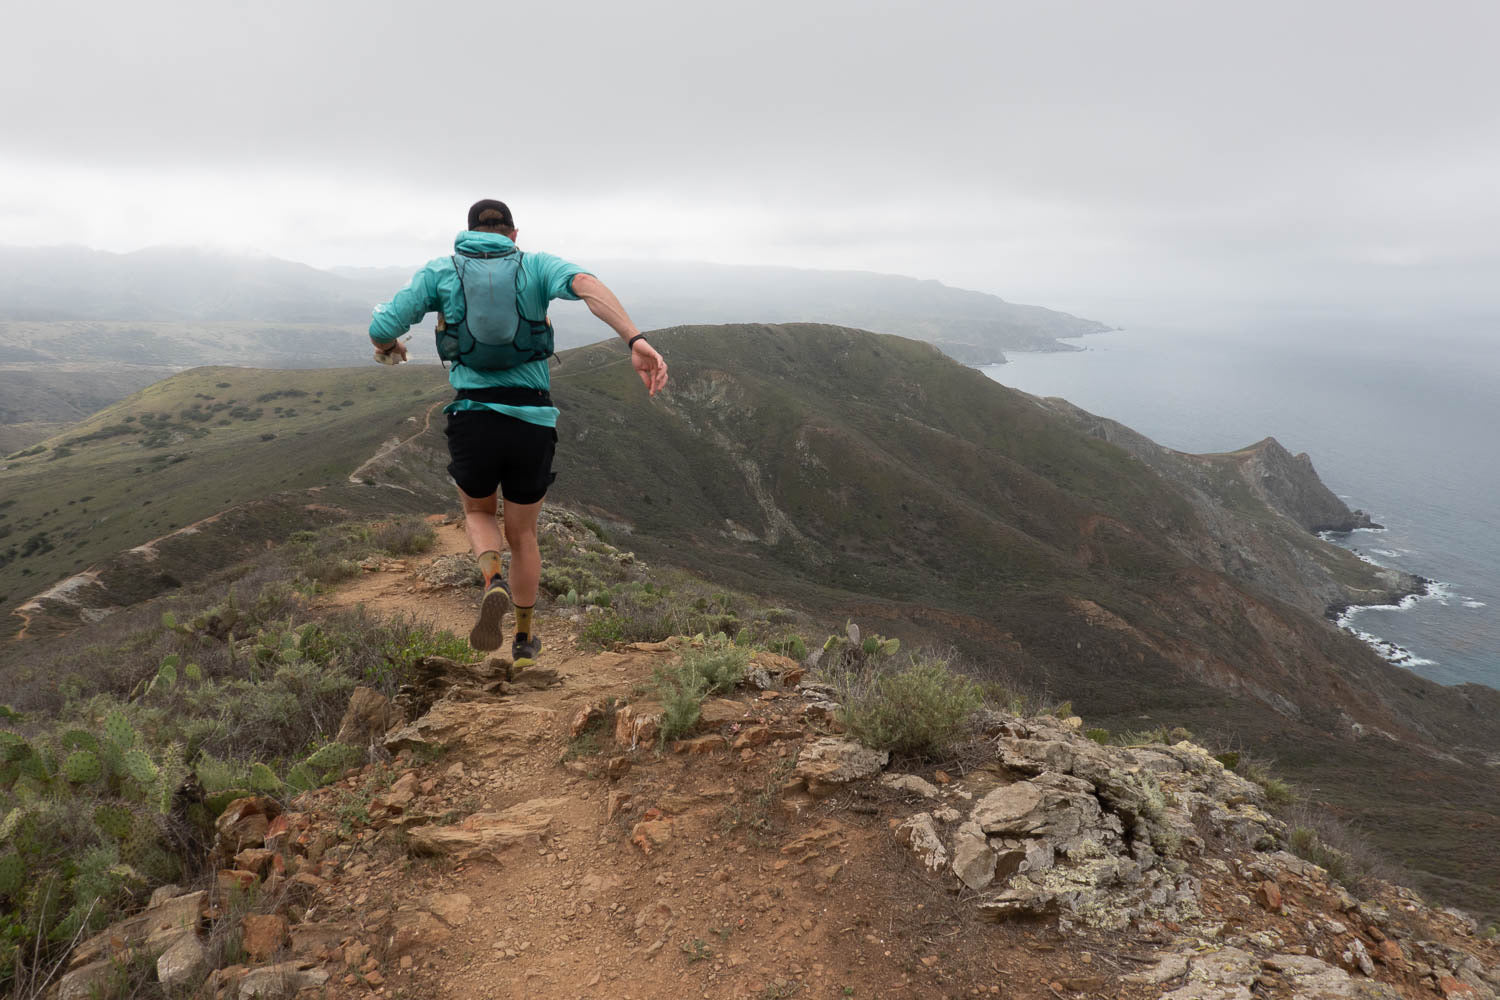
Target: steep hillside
{"type": "Point", "coordinates": [226, 444]}
{"type": "Point", "coordinates": [872, 477]}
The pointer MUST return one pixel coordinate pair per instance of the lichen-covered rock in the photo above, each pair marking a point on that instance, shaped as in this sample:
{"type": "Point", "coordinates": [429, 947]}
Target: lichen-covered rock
{"type": "Point", "coordinates": [973, 858]}
{"type": "Point", "coordinates": [910, 783]}
{"type": "Point", "coordinates": [280, 982]}
{"type": "Point", "coordinates": [829, 763]}
{"type": "Point", "coordinates": [184, 964]}
{"type": "Point", "coordinates": [920, 834]}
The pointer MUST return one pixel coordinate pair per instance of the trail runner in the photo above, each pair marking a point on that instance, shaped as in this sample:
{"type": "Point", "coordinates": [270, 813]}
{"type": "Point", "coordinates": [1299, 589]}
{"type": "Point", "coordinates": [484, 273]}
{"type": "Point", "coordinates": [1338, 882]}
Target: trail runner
{"type": "Point", "coordinates": [492, 299]}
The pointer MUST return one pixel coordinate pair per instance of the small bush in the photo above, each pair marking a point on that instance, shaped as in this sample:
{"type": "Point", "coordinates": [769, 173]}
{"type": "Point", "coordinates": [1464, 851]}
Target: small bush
{"type": "Point", "coordinates": [719, 663]}
{"type": "Point", "coordinates": [1098, 735]}
{"type": "Point", "coordinates": [681, 690]}
{"type": "Point", "coordinates": [1277, 791]}
{"type": "Point", "coordinates": [918, 710]}
{"type": "Point", "coordinates": [404, 537]}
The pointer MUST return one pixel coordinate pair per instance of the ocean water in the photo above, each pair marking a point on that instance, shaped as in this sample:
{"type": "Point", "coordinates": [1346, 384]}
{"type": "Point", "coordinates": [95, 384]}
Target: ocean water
{"type": "Point", "coordinates": [1401, 420]}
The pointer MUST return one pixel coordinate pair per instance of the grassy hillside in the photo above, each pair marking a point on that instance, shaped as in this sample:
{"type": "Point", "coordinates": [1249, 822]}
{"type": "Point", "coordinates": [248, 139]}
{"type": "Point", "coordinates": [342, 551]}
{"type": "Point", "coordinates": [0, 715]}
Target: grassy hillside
{"type": "Point", "coordinates": [187, 448]}
{"type": "Point", "coordinates": [843, 474]}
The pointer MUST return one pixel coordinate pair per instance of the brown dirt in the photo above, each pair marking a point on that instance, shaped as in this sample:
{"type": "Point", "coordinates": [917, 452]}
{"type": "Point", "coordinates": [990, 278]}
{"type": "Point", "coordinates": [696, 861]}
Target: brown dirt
{"type": "Point", "coordinates": [743, 895]}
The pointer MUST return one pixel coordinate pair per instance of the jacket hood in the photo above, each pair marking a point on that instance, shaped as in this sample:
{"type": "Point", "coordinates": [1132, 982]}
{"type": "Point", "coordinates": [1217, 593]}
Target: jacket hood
{"type": "Point", "coordinates": [482, 242]}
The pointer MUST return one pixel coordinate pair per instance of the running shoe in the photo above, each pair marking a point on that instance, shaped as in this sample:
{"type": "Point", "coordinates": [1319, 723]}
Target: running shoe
{"type": "Point", "coordinates": [523, 652]}
{"type": "Point", "coordinates": [489, 632]}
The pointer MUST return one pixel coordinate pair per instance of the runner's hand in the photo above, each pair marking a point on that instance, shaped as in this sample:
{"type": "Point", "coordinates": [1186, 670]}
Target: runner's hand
{"type": "Point", "coordinates": [649, 366]}
{"type": "Point", "coordinates": [394, 354]}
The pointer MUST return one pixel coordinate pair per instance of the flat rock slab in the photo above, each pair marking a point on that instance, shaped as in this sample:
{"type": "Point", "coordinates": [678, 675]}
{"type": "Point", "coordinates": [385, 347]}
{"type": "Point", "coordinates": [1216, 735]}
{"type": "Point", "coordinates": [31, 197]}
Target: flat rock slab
{"type": "Point", "coordinates": [503, 730]}
{"type": "Point", "coordinates": [827, 763]}
{"type": "Point", "coordinates": [279, 982]}
{"type": "Point", "coordinates": [489, 833]}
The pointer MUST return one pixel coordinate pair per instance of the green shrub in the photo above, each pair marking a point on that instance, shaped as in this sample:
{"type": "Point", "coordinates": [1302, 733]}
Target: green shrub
{"type": "Point", "coordinates": [681, 692]}
{"type": "Point", "coordinates": [1098, 735]}
{"type": "Point", "coordinates": [720, 664]}
{"type": "Point", "coordinates": [408, 536]}
{"type": "Point", "coordinates": [917, 710]}
{"type": "Point", "coordinates": [1277, 791]}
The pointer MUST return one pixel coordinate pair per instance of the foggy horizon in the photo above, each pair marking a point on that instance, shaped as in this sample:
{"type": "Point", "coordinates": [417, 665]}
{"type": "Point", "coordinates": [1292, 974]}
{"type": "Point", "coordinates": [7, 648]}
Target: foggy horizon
{"type": "Point", "coordinates": [1154, 160]}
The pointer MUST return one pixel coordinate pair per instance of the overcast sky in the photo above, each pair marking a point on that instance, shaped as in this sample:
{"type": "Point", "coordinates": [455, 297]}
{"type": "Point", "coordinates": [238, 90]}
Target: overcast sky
{"type": "Point", "coordinates": [1155, 155]}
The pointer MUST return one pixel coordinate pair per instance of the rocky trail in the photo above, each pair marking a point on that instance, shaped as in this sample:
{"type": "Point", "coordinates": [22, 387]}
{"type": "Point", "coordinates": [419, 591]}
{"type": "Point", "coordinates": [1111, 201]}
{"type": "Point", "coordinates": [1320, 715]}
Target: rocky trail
{"type": "Point", "coordinates": [528, 836]}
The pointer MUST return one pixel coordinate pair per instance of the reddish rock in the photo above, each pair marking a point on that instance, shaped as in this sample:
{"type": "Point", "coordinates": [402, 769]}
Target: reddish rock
{"type": "Point", "coordinates": [1389, 952]}
{"type": "Point", "coordinates": [585, 717]}
{"type": "Point", "coordinates": [711, 743]}
{"type": "Point", "coordinates": [637, 725]}
{"type": "Point", "coordinates": [617, 767]}
{"type": "Point", "coordinates": [651, 834]}
{"type": "Point", "coordinates": [942, 777]}
{"type": "Point", "coordinates": [278, 832]}
{"type": "Point", "coordinates": [753, 736]}
{"type": "Point", "coordinates": [1455, 990]}
{"type": "Point", "coordinates": [233, 880]}
{"type": "Point", "coordinates": [245, 822]}
{"type": "Point", "coordinates": [254, 859]}
{"type": "Point", "coordinates": [263, 934]}
{"type": "Point", "coordinates": [617, 803]}
{"type": "Point", "coordinates": [1269, 896]}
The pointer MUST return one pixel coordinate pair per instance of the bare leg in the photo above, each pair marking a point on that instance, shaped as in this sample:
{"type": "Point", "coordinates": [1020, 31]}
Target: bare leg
{"type": "Point", "coordinates": [480, 523]}
{"type": "Point", "coordinates": [525, 557]}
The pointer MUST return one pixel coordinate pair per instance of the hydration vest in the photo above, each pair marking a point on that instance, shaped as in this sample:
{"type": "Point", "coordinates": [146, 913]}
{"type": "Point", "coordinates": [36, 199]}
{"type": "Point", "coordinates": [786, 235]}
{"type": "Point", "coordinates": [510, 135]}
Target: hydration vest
{"type": "Point", "coordinates": [493, 334]}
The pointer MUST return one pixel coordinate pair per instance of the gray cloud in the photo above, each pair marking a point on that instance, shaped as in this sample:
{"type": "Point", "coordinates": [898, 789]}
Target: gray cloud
{"type": "Point", "coordinates": [1061, 152]}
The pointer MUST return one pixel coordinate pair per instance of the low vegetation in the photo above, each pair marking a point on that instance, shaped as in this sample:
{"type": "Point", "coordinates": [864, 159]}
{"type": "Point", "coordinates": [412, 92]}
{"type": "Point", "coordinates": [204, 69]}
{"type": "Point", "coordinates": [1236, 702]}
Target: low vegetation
{"type": "Point", "coordinates": [715, 668]}
{"type": "Point", "coordinates": [624, 604]}
{"type": "Point", "coordinates": [118, 750]}
{"type": "Point", "coordinates": [916, 710]}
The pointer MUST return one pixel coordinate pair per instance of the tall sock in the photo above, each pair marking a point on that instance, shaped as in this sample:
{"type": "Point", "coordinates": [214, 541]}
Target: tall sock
{"type": "Point", "coordinates": [523, 620]}
{"type": "Point", "coordinates": [489, 564]}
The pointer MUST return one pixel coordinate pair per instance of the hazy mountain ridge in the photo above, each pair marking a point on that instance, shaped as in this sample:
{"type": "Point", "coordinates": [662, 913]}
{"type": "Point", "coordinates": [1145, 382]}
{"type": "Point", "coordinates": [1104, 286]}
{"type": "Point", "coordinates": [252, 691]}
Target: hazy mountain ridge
{"type": "Point", "coordinates": [169, 284]}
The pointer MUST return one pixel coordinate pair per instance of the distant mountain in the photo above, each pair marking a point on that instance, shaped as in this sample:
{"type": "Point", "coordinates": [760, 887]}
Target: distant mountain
{"type": "Point", "coordinates": [170, 284]}
{"type": "Point", "coordinates": [177, 285]}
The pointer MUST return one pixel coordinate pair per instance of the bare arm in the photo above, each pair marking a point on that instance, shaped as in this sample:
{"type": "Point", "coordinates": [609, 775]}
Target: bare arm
{"type": "Point", "coordinates": [603, 304]}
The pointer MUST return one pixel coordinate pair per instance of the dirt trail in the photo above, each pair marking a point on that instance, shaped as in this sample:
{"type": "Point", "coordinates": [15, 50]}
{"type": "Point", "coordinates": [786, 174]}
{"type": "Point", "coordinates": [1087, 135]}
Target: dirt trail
{"type": "Point", "coordinates": [650, 874]}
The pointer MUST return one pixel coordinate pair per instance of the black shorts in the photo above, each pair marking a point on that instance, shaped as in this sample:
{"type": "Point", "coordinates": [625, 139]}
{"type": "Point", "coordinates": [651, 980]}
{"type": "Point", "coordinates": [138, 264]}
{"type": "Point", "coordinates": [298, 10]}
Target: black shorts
{"type": "Point", "coordinates": [490, 449]}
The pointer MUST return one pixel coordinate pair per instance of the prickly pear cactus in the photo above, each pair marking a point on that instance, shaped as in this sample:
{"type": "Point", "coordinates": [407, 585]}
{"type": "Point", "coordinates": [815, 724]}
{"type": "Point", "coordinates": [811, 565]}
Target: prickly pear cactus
{"type": "Point", "coordinates": [11, 823]}
{"type": "Point", "coordinates": [78, 739]}
{"type": "Point", "coordinates": [141, 769]}
{"type": "Point", "coordinates": [193, 673]}
{"type": "Point", "coordinates": [219, 801]}
{"type": "Point", "coordinates": [334, 757]}
{"type": "Point", "coordinates": [12, 873]}
{"type": "Point", "coordinates": [264, 780]}
{"type": "Point", "coordinates": [302, 778]}
{"type": "Point", "coordinates": [82, 767]}
{"type": "Point", "coordinates": [119, 730]}
{"type": "Point", "coordinates": [114, 819]}
{"type": "Point", "coordinates": [166, 674]}
{"type": "Point", "coordinates": [13, 746]}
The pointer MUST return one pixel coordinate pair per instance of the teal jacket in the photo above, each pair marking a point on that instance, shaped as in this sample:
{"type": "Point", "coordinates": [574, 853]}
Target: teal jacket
{"type": "Point", "coordinates": [436, 288]}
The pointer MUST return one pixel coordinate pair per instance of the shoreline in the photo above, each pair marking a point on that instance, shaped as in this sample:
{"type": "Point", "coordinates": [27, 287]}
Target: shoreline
{"type": "Point", "coordinates": [1343, 615]}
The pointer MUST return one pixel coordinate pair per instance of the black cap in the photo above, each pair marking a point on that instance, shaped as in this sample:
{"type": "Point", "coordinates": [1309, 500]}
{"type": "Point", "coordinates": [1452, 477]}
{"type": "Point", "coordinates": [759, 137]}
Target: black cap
{"type": "Point", "coordinates": [493, 208]}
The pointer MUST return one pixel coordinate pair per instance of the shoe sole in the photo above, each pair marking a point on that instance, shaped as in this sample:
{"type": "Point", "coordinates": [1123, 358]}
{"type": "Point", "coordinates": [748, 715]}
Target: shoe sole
{"type": "Point", "coordinates": [527, 661]}
{"type": "Point", "coordinates": [489, 632]}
